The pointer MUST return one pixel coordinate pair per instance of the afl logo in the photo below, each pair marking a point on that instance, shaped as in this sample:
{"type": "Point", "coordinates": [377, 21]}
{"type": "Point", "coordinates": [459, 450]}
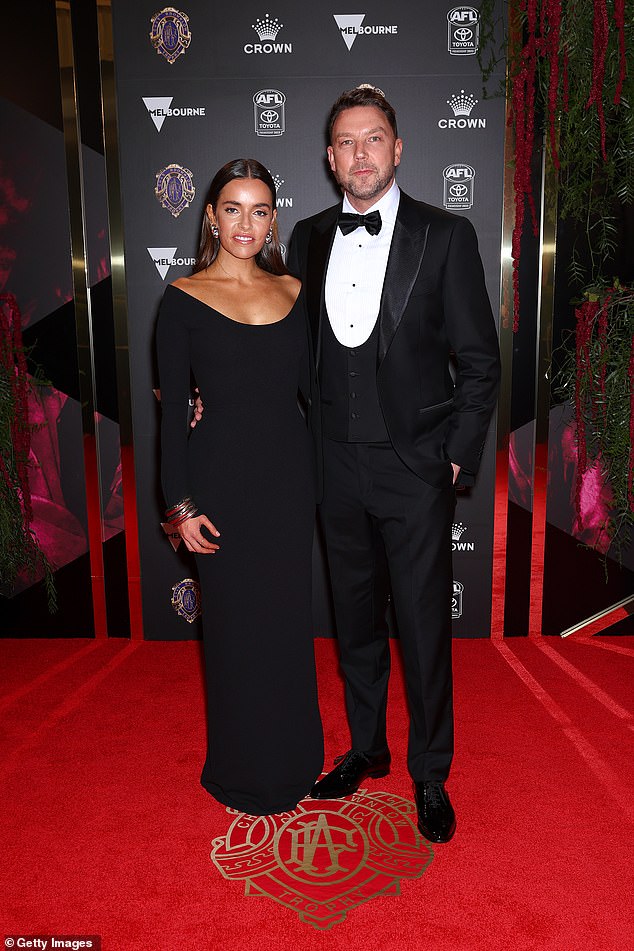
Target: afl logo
{"type": "Point", "coordinates": [463, 24]}
{"type": "Point", "coordinates": [327, 856]}
{"type": "Point", "coordinates": [456, 600]}
{"type": "Point", "coordinates": [458, 186]}
{"type": "Point", "coordinates": [268, 105]}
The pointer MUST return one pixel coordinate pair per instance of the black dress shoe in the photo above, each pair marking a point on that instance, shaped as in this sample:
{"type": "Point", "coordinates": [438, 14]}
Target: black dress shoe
{"type": "Point", "coordinates": [349, 773]}
{"type": "Point", "coordinates": [436, 818]}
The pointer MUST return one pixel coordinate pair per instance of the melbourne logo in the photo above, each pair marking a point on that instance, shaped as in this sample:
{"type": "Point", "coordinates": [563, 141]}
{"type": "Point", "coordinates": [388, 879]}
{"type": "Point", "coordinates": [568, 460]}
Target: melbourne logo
{"type": "Point", "coordinates": [164, 259]}
{"type": "Point", "coordinates": [457, 531]}
{"type": "Point", "coordinates": [462, 105]}
{"type": "Point", "coordinates": [175, 188]}
{"type": "Point", "coordinates": [170, 34]}
{"type": "Point", "coordinates": [463, 25]}
{"type": "Point", "coordinates": [174, 538]}
{"type": "Point", "coordinates": [351, 26]}
{"type": "Point", "coordinates": [160, 107]}
{"type": "Point", "coordinates": [267, 30]}
{"type": "Point", "coordinates": [458, 187]}
{"type": "Point", "coordinates": [268, 105]}
{"type": "Point", "coordinates": [327, 856]}
{"type": "Point", "coordinates": [456, 600]}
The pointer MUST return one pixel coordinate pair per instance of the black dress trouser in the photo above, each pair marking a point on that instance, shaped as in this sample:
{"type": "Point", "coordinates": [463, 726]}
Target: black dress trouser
{"type": "Point", "coordinates": [367, 488]}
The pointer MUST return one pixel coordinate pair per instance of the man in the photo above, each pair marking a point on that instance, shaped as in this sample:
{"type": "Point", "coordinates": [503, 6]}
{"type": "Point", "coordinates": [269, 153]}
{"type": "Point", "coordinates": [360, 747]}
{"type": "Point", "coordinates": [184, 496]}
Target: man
{"type": "Point", "coordinates": [394, 287]}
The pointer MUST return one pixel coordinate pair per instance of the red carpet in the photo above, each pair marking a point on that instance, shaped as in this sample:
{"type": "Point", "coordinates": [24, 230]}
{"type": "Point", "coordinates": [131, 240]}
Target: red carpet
{"type": "Point", "coordinates": [107, 831]}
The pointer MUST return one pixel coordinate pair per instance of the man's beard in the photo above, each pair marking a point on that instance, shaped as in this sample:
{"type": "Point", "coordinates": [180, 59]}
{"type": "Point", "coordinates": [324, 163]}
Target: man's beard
{"type": "Point", "coordinates": [367, 189]}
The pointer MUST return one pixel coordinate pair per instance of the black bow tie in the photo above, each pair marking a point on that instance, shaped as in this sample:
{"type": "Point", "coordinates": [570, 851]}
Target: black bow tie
{"type": "Point", "coordinates": [349, 223]}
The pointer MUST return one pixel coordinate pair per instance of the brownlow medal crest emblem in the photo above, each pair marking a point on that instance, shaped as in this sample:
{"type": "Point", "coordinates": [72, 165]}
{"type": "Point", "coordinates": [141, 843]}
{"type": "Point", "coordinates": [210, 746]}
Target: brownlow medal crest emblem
{"type": "Point", "coordinates": [327, 856]}
{"type": "Point", "coordinates": [170, 35]}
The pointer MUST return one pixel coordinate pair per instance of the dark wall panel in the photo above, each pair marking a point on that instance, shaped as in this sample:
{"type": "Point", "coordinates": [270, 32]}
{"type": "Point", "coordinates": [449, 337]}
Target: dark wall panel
{"type": "Point", "coordinates": [199, 111]}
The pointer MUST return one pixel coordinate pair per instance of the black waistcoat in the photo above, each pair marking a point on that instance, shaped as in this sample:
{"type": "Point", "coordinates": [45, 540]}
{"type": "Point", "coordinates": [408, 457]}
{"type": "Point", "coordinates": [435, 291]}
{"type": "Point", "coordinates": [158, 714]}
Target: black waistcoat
{"type": "Point", "coordinates": [351, 411]}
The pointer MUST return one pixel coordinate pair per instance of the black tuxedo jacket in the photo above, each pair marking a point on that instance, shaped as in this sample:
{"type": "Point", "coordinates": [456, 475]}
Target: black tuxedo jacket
{"type": "Point", "coordinates": [434, 310]}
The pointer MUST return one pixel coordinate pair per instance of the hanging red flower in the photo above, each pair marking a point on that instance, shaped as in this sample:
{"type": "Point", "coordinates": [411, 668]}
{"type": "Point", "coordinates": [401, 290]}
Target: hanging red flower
{"type": "Point", "coordinates": [552, 81]}
{"type": "Point", "coordinates": [601, 28]}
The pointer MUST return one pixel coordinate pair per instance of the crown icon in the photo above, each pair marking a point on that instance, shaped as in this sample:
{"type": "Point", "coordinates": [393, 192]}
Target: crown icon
{"type": "Point", "coordinates": [267, 29]}
{"type": "Point", "coordinates": [461, 104]}
{"type": "Point", "coordinates": [277, 181]}
{"type": "Point", "coordinates": [457, 529]}
{"type": "Point", "coordinates": [370, 86]}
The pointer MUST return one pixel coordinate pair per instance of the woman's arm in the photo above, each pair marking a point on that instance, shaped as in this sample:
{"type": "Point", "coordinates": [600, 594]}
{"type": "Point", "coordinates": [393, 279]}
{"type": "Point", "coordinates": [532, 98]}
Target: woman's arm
{"type": "Point", "coordinates": [173, 350]}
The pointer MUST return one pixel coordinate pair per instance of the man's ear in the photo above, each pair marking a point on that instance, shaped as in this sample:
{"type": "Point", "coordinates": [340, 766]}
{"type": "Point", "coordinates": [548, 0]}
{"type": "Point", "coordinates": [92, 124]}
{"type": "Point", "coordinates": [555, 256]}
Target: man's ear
{"type": "Point", "coordinates": [398, 148]}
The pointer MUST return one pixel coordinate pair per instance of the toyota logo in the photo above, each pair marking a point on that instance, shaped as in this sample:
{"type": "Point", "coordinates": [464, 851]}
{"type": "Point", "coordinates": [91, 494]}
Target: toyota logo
{"type": "Point", "coordinates": [463, 34]}
{"type": "Point", "coordinates": [269, 115]}
{"type": "Point", "coordinates": [458, 191]}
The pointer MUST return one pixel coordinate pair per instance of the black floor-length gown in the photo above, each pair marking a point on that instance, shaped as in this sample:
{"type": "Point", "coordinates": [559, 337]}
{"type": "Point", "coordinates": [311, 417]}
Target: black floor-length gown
{"type": "Point", "coordinates": [248, 466]}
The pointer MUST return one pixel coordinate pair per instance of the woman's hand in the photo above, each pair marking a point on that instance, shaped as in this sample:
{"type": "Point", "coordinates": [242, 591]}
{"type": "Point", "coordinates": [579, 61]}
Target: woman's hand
{"type": "Point", "coordinates": [198, 409]}
{"type": "Point", "coordinates": [190, 532]}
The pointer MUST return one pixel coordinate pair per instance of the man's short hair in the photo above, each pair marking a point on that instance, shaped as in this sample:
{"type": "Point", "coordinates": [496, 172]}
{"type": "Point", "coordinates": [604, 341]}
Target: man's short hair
{"type": "Point", "coordinates": [364, 95]}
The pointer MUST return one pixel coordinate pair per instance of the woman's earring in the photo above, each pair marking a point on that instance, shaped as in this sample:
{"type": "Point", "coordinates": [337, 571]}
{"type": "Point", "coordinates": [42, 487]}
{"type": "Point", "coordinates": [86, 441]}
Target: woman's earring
{"type": "Point", "coordinates": [214, 231]}
{"type": "Point", "coordinates": [269, 236]}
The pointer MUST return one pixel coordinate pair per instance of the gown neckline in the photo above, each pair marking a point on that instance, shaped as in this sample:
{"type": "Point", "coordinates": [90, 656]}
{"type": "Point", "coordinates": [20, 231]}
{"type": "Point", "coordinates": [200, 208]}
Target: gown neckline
{"type": "Point", "coordinates": [241, 323]}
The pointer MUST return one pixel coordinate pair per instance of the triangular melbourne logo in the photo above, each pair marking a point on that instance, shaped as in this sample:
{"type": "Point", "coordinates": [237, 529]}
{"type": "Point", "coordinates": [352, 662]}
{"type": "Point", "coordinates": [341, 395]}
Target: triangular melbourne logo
{"type": "Point", "coordinates": [162, 258]}
{"type": "Point", "coordinates": [158, 107]}
{"type": "Point", "coordinates": [351, 22]}
{"type": "Point", "coordinates": [172, 534]}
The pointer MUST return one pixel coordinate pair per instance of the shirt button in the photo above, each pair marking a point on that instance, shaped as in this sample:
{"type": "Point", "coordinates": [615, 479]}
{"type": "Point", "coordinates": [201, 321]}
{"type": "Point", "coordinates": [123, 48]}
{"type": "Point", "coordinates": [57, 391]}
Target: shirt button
{"type": "Point", "coordinates": [353, 395]}
{"type": "Point", "coordinates": [353, 373]}
{"type": "Point", "coordinates": [354, 415]}
{"type": "Point", "coordinates": [353, 353]}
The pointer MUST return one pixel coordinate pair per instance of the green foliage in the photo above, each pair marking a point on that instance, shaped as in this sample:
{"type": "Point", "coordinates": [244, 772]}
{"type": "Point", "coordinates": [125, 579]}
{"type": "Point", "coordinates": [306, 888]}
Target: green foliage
{"type": "Point", "coordinates": [590, 187]}
{"type": "Point", "coordinates": [493, 43]}
{"type": "Point", "coordinates": [593, 162]}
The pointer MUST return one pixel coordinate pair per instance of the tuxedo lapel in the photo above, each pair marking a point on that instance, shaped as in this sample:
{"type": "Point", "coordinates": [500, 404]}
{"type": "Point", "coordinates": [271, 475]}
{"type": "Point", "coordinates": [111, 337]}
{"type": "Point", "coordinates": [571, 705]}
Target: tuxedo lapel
{"type": "Point", "coordinates": [319, 245]}
{"type": "Point", "coordinates": [404, 262]}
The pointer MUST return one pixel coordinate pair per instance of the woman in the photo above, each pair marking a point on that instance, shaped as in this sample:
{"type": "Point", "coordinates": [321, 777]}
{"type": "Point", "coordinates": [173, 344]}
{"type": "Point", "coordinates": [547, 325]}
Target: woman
{"type": "Point", "coordinates": [240, 492]}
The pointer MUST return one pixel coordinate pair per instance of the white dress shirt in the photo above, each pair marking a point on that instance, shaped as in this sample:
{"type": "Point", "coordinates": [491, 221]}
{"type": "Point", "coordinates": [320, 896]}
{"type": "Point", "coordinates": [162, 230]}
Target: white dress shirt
{"type": "Point", "coordinates": [356, 271]}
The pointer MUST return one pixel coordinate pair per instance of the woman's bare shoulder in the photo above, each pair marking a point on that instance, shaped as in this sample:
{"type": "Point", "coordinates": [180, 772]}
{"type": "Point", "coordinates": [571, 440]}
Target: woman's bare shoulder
{"type": "Point", "coordinates": [187, 282]}
{"type": "Point", "coordinates": [291, 283]}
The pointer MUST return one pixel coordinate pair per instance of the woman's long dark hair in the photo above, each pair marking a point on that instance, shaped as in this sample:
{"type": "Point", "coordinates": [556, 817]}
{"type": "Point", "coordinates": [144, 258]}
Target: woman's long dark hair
{"type": "Point", "coordinates": [270, 257]}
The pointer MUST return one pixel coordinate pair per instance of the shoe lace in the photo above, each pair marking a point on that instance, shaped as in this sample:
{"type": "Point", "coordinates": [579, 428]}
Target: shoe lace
{"type": "Point", "coordinates": [433, 794]}
{"type": "Point", "coordinates": [348, 760]}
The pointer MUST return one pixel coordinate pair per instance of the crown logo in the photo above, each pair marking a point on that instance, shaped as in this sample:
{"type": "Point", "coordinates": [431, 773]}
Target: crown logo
{"type": "Point", "coordinates": [277, 181]}
{"type": "Point", "coordinates": [457, 529]}
{"type": "Point", "coordinates": [267, 29]}
{"type": "Point", "coordinates": [461, 104]}
{"type": "Point", "coordinates": [370, 86]}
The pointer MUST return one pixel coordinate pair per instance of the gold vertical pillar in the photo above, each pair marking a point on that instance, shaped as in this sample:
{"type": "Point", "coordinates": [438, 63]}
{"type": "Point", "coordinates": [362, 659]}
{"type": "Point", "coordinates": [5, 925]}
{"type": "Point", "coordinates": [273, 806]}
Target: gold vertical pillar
{"type": "Point", "coordinates": [82, 304]}
{"type": "Point", "coordinates": [543, 356]}
{"type": "Point", "coordinates": [504, 402]}
{"type": "Point", "coordinates": [111, 136]}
